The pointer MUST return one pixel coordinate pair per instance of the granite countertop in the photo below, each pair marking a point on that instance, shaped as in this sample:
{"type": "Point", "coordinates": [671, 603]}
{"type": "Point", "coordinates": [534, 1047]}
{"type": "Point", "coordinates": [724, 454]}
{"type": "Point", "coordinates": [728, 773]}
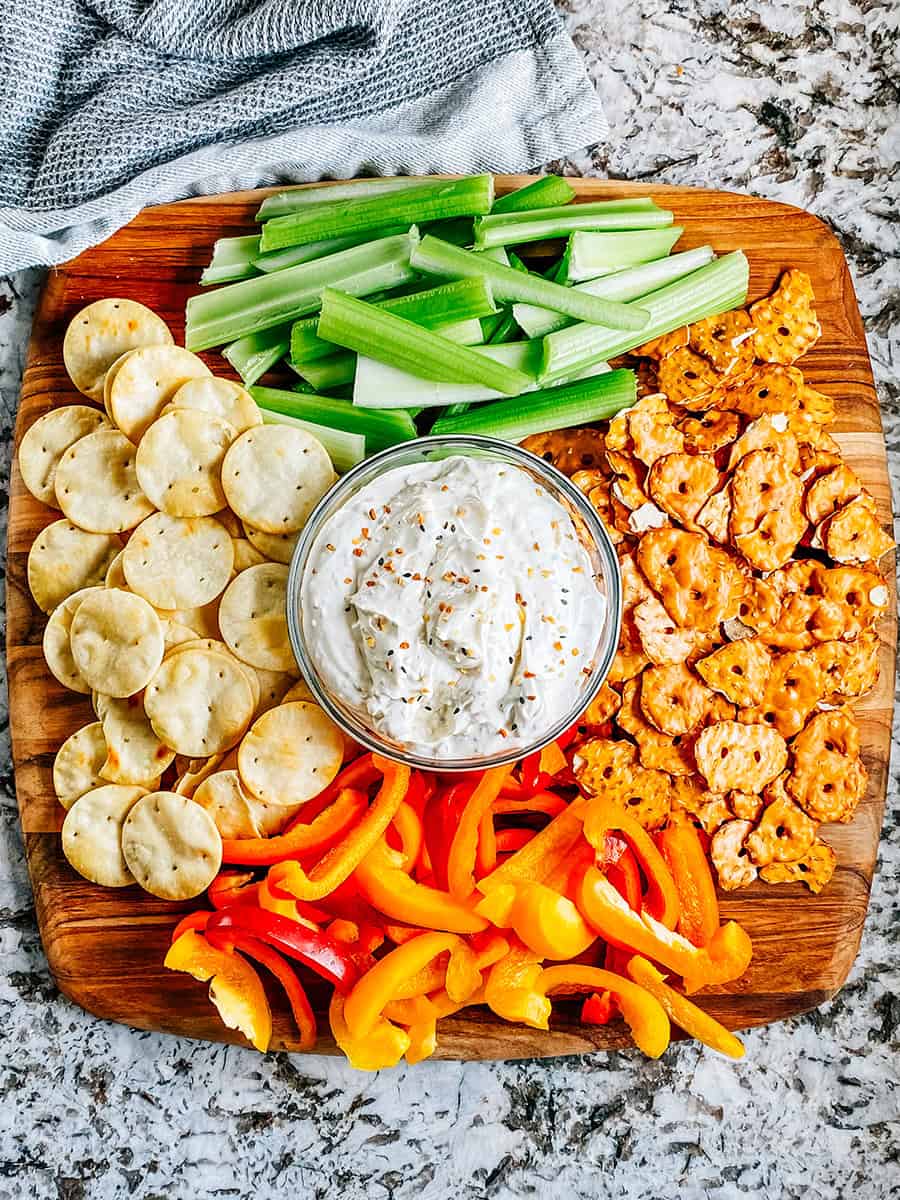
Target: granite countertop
{"type": "Point", "coordinates": [793, 101]}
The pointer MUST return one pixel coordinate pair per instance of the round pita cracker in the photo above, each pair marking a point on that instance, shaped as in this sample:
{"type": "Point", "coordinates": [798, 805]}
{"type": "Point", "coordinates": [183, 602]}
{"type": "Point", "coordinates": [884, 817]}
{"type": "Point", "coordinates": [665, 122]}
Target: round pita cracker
{"type": "Point", "coordinates": [290, 754]}
{"type": "Point", "coordinates": [57, 646]}
{"type": "Point", "coordinates": [101, 333]}
{"type": "Point", "coordinates": [64, 559]}
{"type": "Point", "coordinates": [274, 475]}
{"type": "Point", "coordinates": [146, 381]}
{"type": "Point", "coordinates": [76, 768]}
{"type": "Point", "coordinates": [134, 754]}
{"type": "Point", "coordinates": [246, 555]}
{"type": "Point", "coordinates": [299, 691]}
{"type": "Point", "coordinates": [97, 485]}
{"type": "Point", "coordinates": [115, 573]}
{"type": "Point", "coordinates": [221, 648]}
{"type": "Point", "coordinates": [199, 702]}
{"type": "Point", "coordinates": [273, 687]}
{"type": "Point", "coordinates": [179, 462]}
{"type": "Point", "coordinates": [277, 547]}
{"type": "Point", "coordinates": [117, 641]}
{"type": "Point", "coordinates": [175, 634]}
{"type": "Point", "coordinates": [109, 379]}
{"type": "Point", "coordinates": [192, 771]}
{"type": "Point", "coordinates": [179, 562]}
{"type": "Point", "coordinates": [92, 834]}
{"type": "Point", "coordinates": [43, 446]}
{"type": "Point", "coordinates": [238, 814]}
{"type": "Point", "coordinates": [171, 846]}
{"type": "Point", "coordinates": [252, 617]}
{"type": "Point", "coordinates": [222, 398]}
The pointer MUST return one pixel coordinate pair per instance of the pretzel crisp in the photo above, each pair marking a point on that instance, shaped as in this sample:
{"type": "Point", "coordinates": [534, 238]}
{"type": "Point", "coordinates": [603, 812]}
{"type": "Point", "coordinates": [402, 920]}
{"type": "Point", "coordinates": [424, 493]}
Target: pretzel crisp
{"type": "Point", "coordinates": [784, 833]}
{"type": "Point", "coordinates": [600, 498]}
{"type": "Point", "coordinates": [739, 671]}
{"type": "Point", "coordinates": [662, 640]}
{"type": "Point", "coordinates": [815, 868]}
{"type": "Point", "coordinates": [602, 708]}
{"type": "Point", "coordinates": [766, 515]}
{"type": "Point", "coordinates": [794, 686]}
{"type": "Point", "coordinates": [680, 568]}
{"type": "Point", "coordinates": [745, 806]}
{"type": "Point", "coordinates": [645, 794]}
{"type": "Point", "coordinates": [818, 406]}
{"type": "Point", "coordinates": [710, 431]}
{"type": "Point", "coordinates": [681, 484]}
{"type": "Point", "coordinates": [726, 341]}
{"type": "Point", "coordinates": [714, 517]}
{"type": "Point", "coordinates": [828, 779]}
{"type": "Point", "coordinates": [569, 450]}
{"type": "Point", "coordinates": [730, 856]}
{"type": "Point", "coordinates": [769, 388]}
{"type": "Point", "coordinates": [628, 485]}
{"type": "Point", "coordinates": [591, 477]}
{"type": "Point", "coordinates": [664, 345]}
{"type": "Point", "coordinates": [786, 323]}
{"type": "Point", "coordinates": [708, 809]}
{"type": "Point", "coordinates": [830, 491]}
{"type": "Point", "coordinates": [854, 535]}
{"type": "Point", "coordinates": [688, 379]}
{"type": "Point", "coordinates": [656, 750]}
{"type": "Point", "coordinates": [652, 428]}
{"type": "Point", "coordinates": [850, 669]}
{"type": "Point", "coordinates": [630, 658]}
{"type": "Point", "coordinates": [735, 757]}
{"type": "Point", "coordinates": [769, 432]}
{"type": "Point", "coordinates": [673, 699]}
{"type": "Point", "coordinates": [600, 763]}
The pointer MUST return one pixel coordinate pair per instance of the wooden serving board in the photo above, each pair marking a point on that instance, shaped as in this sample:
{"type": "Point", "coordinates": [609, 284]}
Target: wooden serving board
{"type": "Point", "coordinates": [105, 947]}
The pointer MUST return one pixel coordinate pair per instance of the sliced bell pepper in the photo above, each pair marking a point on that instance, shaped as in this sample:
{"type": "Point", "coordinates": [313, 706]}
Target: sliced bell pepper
{"type": "Point", "coordinates": [552, 760]}
{"type": "Point", "coordinates": [274, 900]}
{"type": "Point", "coordinates": [463, 974]}
{"type": "Point", "coordinates": [341, 860]}
{"type": "Point", "coordinates": [625, 876]}
{"type": "Point", "coordinates": [321, 953]}
{"type": "Point", "coordinates": [359, 775]}
{"type": "Point", "coordinates": [440, 820]}
{"type": "Point", "coordinates": [422, 1041]}
{"type": "Point", "coordinates": [407, 824]}
{"type": "Point", "coordinates": [510, 840]}
{"type": "Point", "coordinates": [542, 801]}
{"type": "Point", "coordinates": [232, 887]}
{"type": "Point", "coordinates": [383, 1046]}
{"type": "Point", "coordinates": [196, 921]}
{"type": "Point", "coordinates": [463, 847]}
{"type": "Point", "coordinates": [599, 1009]}
{"type": "Point", "coordinates": [510, 990]}
{"type": "Point", "coordinates": [683, 1013]}
{"type": "Point", "coordinates": [643, 1013]}
{"type": "Point", "coordinates": [372, 991]}
{"type": "Point", "coordinates": [392, 892]}
{"type": "Point", "coordinates": [430, 978]}
{"type": "Point", "coordinates": [330, 825]}
{"type": "Point", "coordinates": [548, 923]}
{"type": "Point", "coordinates": [529, 771]}
{"type": "Point", "coordinates": [486, 854]}
{"type": "Point", "coordinates": [234, 987]}
{"type": "Point", "coordinates": [412, 1011]}
{"type": "Point", "coordinates": [686, 859]}
{"type": "Point", "coordinates": [603, 817]}
{"type": "Point", "coordinates": [534, 862]}
{"type": "Point", "coordinates": [565, 875]}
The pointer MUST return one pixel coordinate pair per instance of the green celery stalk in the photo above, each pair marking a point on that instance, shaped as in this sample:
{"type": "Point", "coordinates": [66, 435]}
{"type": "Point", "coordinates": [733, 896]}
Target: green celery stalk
{"type": "Point", "coordinates": [232, 258]}
{"type": "Point", "coordinates": [344, 449]}
{"type": "Point", "coordinates": [546, 192]}
{"type": "Point", "coordinates": [506, 331]}
{"type": "Point", "coordinates": [458, 230]}
{"type": "Point", "coordinates": [438, 258]}
{"type": "Point", "coordinates": [381, 429]}
{"type": "Point", "coordinates": [325, 374]}
{"type": "Point", "coordinates": [510, 229]}
{"type": "Point", "coordinates": [254, 354]}
{"type": "Point", "coordinates": [296, 199]}
{"type": "Point", "coordinates": [293, 256]}
{"type": "Point", "coordinates": [400, 343]}
{"type": "Point", "coordinates": [468, 196]}
{"type": "Point", "coordinates": [592, 254]}
{"type": "Point", "coordinates": [630, 284]}
{"type": "Point", "coordinates": [255, 304]}
{"type": "Point", "coordinates": [712, 289]}
{"type": "Point", "coordinates": [578, 403]}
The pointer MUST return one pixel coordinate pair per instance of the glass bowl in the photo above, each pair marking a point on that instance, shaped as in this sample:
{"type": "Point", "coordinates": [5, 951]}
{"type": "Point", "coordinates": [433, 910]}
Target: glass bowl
{"type": "Point", "coordinates": [356, 722]}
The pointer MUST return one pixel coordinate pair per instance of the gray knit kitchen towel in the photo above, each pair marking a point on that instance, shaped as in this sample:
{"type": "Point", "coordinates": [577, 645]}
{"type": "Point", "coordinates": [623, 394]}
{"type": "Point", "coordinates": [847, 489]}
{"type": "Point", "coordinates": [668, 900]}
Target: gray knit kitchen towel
{"type": "Point", "coordinates": [109, 105]}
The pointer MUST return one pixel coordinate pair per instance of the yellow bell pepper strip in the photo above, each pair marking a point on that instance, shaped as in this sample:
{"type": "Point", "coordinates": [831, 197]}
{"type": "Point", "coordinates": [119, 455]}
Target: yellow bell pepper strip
{"type": "Point", "coordinates": [463, 847]}
{"type": "Point", "coordinates": [603, 817]}
{"type": "Point", "coordinates": [725, 957]}
{"type": "Point", "coordinates": [422, 983]}
{"type": "Point", "coordinates": [234, 987]}
{"type": "Point", "coordinates": [445, 1007]}
{"type": "Point", "coordinates": [683, 851]}
{"type": "Point", "coordinates": [511, 992]}
{"type": "Point", "coordinates": [683, 1013]}
{"type": "Point", "coordinates": [486, 853]}
{"type": "Point", "coordinates": [463, 976]}
{"type": "Point", "coordinates": [497, 905]}
{"type": "Point", "coordinates": [643, 1013]}
{"type": "Point", "coordinates": [489, 948]}
{"type": "Point", "coordinates": [422, 1041]}
{"type": "Point", "coordinates": [341, 860]}
{"type": "Point", "coordinates": [408, 825]}
{"type": "Point", "coordinates": [548, 923]}
{"type": "Point", "coordinates": [330, 825]}
{"type": "Point", "coordinates": [412, 1011]}
{"type": "Point", "coordinates": [549, 847]}
{"type": "Point", "coordinates": [372, 991]}
{"type": "Point", "coordinates": [383, 1046]}
{"type": "Point", "coordinates": [391, 891]}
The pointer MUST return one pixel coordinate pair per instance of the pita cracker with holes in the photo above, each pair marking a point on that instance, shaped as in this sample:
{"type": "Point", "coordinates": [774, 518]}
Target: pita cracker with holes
{"type": "Point", "coordinates": [199, 702]}
{"type": "Point", "coordinates": [97, 485]}
{"type": "Point", "coordinates": [109, 379]}
{"type": "Point", "coordinates": [117, 641]}
{"type": "Point", "coordinates": [236, 812]}
{"type": "Point", "coordinates": [115, 573]}
{"type": "Point", "coordinates": [221, 648]}
{"type": "Point", "coordinates": [76, 768]}
{"type": "Point", "coordinates": [290, 754]}
{"type": "Point", "coordinates": [299, 691]}
{"type": "Point", "coordinates": [191, 772]}
{"type": "Point", "coordinates": [171, 846]}
{"type": "Point", "coordinates": [92, 834]}
{"type": "Point", "coordinates": [134, 754]}
{"type": "Point", "coordinates": [65, 559]}
{"type": "Point", "coordinates": [246, 554]}
{"type": "Point", "coordinates": [179, 562]}
{"type": "Point", "coordinates": [252, 617]}
{"type": "Point", "coordinates": [273, 687]}
{"type": "Point", "coordinates": [277, 547]}
{"type": "Point", "coordinates": [146, 381]}
{"type": "Point", "coordinates": [47, 440]}
{"type": "Point", "coordinates": [58, 648]}
{"type": "Point", "coordinates": [274, 475]}
{"type": "Point", "coordinates": [179, 462]}
{"type": "Point", "coordinates": [221, 398]}
{"type": "Point", "coordinates": [101, 333]}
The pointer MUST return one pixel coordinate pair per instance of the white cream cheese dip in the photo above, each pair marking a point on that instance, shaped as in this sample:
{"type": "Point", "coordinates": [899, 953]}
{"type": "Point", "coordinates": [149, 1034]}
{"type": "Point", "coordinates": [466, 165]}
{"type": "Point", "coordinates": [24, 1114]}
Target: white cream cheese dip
{"type": "Point", "coordinates": [454, 604]}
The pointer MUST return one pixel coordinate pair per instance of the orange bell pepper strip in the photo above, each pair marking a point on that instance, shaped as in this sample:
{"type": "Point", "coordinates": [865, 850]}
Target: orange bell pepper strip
{"type": "Point", "coordinates": [489, 948]}
{"type": "Point", "coordinates": [643, 1013]}
{"type": "Point", "coordinates": [367, 998]}
{"type": "Point", "coordinates": [234, 987]}
{"type": "Point", "coordinates": [603, 817]}
{"type": "Point", "coordinates": [358, 775]}
{"type": "Point", "coordinates": [330, 825]}
{"type": "Point", "coordinates": [552, 760]}
{"type": "Point", "coordinates": [422, 1041]}
{"type": "Point", "coordinates": [683, 1013]}
{"type": "Point", "coordinates": [197, 921]}
{"type": "Point", "coordinates": [510, 840]}
{"type": "Point", "coordinates": [599, 1009]}
{"type": "Point", "coordinates": [463, 975]}
{"type": "Point", "coordinates": [565, 875]}
{"type": "Point", "coordinates": [383, 1046]}
{"type": "Point", "coordinates": [412, 1011]}
{"type": "Point", "coordinates": [686, 859]}
{"type": "Point", "coordinates": [543, 802]}
{"type": "Point", "coordinates": [408, 826]}
{"type": "Point", "coordinates": [549, 847]}
{"type": "Point", "coordinates": [510, 990]}
{"type": "Point", "coordinates": [486, 854]}
{"type": "Point", "coordinates": [440, 819]}
{"type": "Point", "coordinates": [463, 847]}
{"type": "Point", "coordinates": [391, 891]}
{"type": "Point", "coordinates": [549, 924]}
{"type": "Point", "coordinates": [232, 887]}
{"type": "Point", "coordinates": [341, 860]}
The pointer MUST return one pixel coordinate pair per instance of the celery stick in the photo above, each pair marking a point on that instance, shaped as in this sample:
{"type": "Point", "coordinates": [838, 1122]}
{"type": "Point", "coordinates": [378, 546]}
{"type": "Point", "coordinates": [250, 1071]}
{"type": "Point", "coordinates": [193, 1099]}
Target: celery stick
{"type": "Point", "coordinates": [326, 374]}
{"type": "Point", "coordinates": [437, 258]}
{"type": "Point", "coordinates": [452, 198]}
{"type": "Point", "coordinates": [496, 254]}
{"type": "Point", "coordinates": [344, 449]}
{"type": "Point", "coordinates": [253, 355]}
{"type": "Point", "coordinates": [546, 192]}
{"type": "Point", "coordinates": [510, 229]}
{"type": "Point", "coordinates": [298, 198]}
{"type": "Point", "coordinates": [593, 254]}
{"type": "Point", "coordinates": [458, 230]}
{"type": "Point", "coordinates": [380, 429]}
{"type": "Point", "coordinates": [240, 308]}
{"type": "Point", "coordinates": [232, 259]}
{"type": "Point", "coordinates": [400, 343]}
{"type": "Point", "coordinates": [292, 256]}
{"type": "Point", "coordinates": [506, 331]}
{"type": "Point", "coordinates": [578, 403]}
{"type": "Point", "coordinates": [712, 289]}
{"type": "Point", "coordinates": [629, 284]}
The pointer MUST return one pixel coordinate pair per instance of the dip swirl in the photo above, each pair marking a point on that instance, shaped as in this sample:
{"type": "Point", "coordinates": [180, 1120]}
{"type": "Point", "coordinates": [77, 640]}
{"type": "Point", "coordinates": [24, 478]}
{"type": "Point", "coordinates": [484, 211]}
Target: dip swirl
{"type": "Point", "coordinates": [453, 603]}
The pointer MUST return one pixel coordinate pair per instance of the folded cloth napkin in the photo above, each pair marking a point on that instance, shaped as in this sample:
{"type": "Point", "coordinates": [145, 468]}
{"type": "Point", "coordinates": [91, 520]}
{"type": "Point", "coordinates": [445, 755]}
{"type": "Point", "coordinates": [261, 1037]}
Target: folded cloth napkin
{"type": "Point", "coordinates": [114, 104]}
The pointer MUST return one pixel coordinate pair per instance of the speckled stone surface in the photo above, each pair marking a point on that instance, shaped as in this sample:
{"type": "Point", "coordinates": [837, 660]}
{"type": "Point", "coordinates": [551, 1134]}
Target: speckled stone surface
{"type": "Point", "coordinates": [794, 101]}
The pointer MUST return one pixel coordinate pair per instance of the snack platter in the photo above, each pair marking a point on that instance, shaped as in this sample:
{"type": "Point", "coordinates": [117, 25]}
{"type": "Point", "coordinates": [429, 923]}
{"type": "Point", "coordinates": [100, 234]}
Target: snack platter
{"type": "Point", "coordinates": [106, 946]}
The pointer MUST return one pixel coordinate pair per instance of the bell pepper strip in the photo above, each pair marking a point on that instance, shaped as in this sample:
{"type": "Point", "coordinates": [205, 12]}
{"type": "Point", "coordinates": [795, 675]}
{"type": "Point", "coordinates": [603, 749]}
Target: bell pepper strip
{"type": "Point", "coordinates": [683, 1012]}
{"type": "Point", "coordinates": [317, 950]}
{"type": "Point", "coordinates": [412, 1011]}
{"type": "Point", "coordinates": [565, 875]}
{"type": "Point", "coordinates": [372, 991]}
{"type": "Point", "coordinates": [445, 1007]}
{"type": "Point", "coordinates": [234, 987]}
{"type": "Point", "coordinates": [398, 934]}
{"type": "Point", "coordinates": [497, 905]}
{"type": "Point", "coordinates": [333, 823]}
{"type": "Point", "coordinates": [643, 1013]}
{"type": "Point", "coordinates": [358, 775]}
{"type": "Point", "coordinates": [510, 989]}
{"type": "Point", "coordinates": [489, 948]}
{"type": "Point", "coordinates": [680, 846]}
{"type": "Point", "coordinates": [599, 1009]}
{"type": "Point", "coordinates": [430, 979]}
{"type": "Point", "coordinates": [550, 803]}
{"type": "Point", "coordinates": [552, 760]}
{"type": "Point", "coordinates": [510, 840]}
{"type": "Point", "coordinates": [548, 923]}
{"type": "Point", "coordinates": [529, 771]}
{"type": "Point", "coordinates": [392, 892]}
{"type": "Point", "coordinates": [463, 975]}
{"type": "Point", "coordinates": [341, 860]}
{"type": "Point", "coordinates": [232, 887]}
{"type": "Point", "coordinates": [486, 854]}
{"type": "Point", "coordinates": [568, 736]}
{"type": "Point", "coordinates": [534, 862]}
{"type": "Point", "coordinates": [383, 1046]}
{"type": "Point", "coordinates": [407, 824]}
{"type": "Point", "coordinates": [301, 1010]}
{"type": "Point", "coordinates": [625, 876]}
{"type": "Point", "coordinates": [603, 817]}
{"type": "Point", "coordinates": [440, 821]}
{"type": "Point", "coordinates": [196, 921]}
{"type": "Point", "coordinates": [463, 847]}
{"type": "Point", "coordinates": [725, 957]}
{"type": "Point", "coordinates": [422, 1041]}
{"type": "Point", "coordinates": [274, 900]}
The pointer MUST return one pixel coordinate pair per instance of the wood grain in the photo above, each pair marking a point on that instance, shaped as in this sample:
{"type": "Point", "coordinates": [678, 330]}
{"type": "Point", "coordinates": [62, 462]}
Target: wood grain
{"type": "Point", "coordinates": [105, 947]}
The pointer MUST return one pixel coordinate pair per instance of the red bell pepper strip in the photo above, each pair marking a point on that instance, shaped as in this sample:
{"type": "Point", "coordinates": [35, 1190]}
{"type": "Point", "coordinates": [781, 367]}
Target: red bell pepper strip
{"type": "Point", "coordinates": [603, 817]}
{"type": "Point", "coordinates": [530, 771]}
{"type": "Point", "coordinates": [195, 920]}
{"type": "Point", "coordinates": [625, 876]}
{"type": "Point", "coordinates": [321, 953]}
{"type": "Point", "coordinates": [232, 887]}
{"type": "Point", "coordinates": [550, 803]}
{"type": "Point", "coordinates": [440, 822]}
